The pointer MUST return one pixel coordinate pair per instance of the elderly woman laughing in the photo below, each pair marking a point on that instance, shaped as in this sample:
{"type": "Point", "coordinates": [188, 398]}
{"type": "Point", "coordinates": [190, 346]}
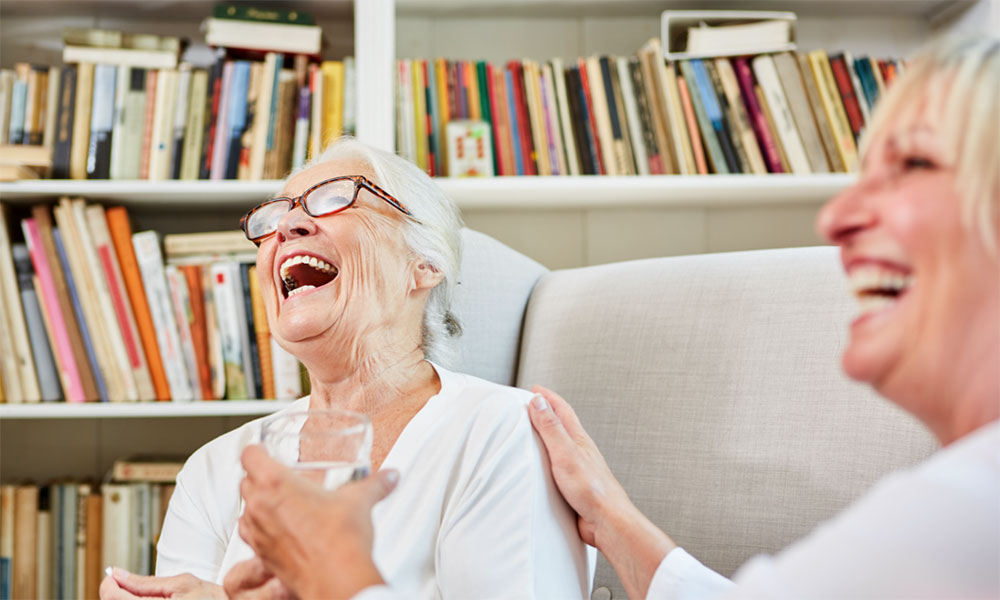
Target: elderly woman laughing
{"type": "Point", "coordinates": [357, 262]}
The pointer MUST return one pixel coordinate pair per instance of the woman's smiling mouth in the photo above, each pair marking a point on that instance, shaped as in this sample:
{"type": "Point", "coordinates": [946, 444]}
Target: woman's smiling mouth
{"type": "Point", "coordinates": [302, 272]}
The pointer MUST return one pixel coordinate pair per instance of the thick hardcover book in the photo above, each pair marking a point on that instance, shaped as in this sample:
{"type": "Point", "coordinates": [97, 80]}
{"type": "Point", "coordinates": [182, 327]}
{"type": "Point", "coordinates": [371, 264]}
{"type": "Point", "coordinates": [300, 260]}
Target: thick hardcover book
{"type": "Point", "coordinates": [767, 143]}
{"type": "Point", "coordinates": [41, 351]}
{"type": "Point", "coordinates": [121, 236]}
{"type": "Point", "coordinates": [254, 371]}
{"type": "Point", "coordinates": [78, 380]}
{"type": "Point", "coordinates": [147, 251]}
{"type": "Point", "coordinates": [83, 101]}
{"type": "Point", "coordinates": [228, 306]}
{"type": "Point", "coordinates": [743, 129]}
{"type": "Point", "coordinates": [63, 142]}
{"type": "Point", "coordinates": [709, 118]}
{"type": "Point", "coordinates": [102, 119]}
{"type": "Point", "coordinates": [787, 69]}
{"type": "Point", "coordinates": [729, 123]}
{"type": "Point", "coordinates": [93, 363]}
{"type": "Point", "coordinates": [199, 328]}
{"type": "Point", "coordinates": [767, 77]}
{"type": "Point", "coordinates": [826, 134]}
{"type": "Point", "coordinates": [122, 310]}
{"type": "Point", "coordinates": [846, 88]}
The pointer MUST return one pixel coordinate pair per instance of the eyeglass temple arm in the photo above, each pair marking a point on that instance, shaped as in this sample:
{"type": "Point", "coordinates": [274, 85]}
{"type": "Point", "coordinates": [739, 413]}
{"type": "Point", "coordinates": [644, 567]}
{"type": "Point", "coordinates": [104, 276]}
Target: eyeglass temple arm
{"type": "Point", "coordinates": [386, 196]}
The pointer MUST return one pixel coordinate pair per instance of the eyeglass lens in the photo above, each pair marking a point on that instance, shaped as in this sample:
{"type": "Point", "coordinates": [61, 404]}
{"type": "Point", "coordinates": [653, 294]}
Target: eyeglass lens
{"type": "Point", "coordinates": [324, 200]}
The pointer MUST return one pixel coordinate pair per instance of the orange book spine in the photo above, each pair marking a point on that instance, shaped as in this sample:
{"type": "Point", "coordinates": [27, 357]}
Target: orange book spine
{"type": "Point", "coordinates": [121, 237]}
{"type": "Point", "coordinates": [692, 125]}
{"type": "Point", "coordinates": [263, 333]}
{"type": "Point", "coordinates": [199, 328]}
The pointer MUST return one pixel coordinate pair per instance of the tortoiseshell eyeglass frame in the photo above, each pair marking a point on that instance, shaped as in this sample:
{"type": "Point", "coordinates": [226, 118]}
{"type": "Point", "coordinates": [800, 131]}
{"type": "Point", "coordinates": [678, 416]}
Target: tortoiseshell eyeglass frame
{"type": "Point", "coordinates": [360, 181]}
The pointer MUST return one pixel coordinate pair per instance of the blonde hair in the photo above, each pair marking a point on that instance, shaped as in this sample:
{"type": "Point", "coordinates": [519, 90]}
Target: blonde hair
{"type": "Point", "coordinates": [956, 79]}
{"type": "Point", "coordinates": [435, 236]}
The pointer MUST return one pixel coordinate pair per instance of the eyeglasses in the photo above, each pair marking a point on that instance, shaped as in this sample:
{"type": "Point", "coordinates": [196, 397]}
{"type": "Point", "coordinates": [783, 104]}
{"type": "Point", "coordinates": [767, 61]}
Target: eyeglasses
{"type": "Point", "coordinates": [323, 199]}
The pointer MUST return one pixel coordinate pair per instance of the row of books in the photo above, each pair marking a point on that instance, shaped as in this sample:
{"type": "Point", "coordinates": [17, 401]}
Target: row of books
{"type": "Point", "coordinates": [56, 540]}
{"type": "Point", "coordinates": [783, 112]}
{"type": "Point", "coordinates": [93, 312]}
{"type": "Point", "coordinates": [239, 119]}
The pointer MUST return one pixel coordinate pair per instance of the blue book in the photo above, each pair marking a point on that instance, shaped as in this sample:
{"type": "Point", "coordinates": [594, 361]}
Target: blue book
{"type": "Point", "coordinates": [430, 102]}
{"type": "Point", "coordinates": [41, 351]}
{"type": "Point", "coordinates": [237, 117]}
{"type": "Point", "coordinates": [19, 97]}
{"type": "Point", "coordinates": [514, 131]}
{"type": "Point", "coordinates": [709, 114]}
{"type": "Point", "coordinates": [869, 87]}
{"type": "Point", "coordinates": [88, 343]}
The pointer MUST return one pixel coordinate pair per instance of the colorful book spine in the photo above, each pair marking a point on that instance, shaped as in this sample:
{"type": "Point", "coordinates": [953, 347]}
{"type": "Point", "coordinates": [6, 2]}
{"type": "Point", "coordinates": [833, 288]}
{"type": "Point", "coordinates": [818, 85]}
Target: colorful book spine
{"type": "Point", "coordinates": [744, 74]}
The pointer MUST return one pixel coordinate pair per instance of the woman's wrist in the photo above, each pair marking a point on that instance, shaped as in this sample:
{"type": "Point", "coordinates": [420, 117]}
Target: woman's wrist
{"type": "Point", "coordinates": [633, 545]}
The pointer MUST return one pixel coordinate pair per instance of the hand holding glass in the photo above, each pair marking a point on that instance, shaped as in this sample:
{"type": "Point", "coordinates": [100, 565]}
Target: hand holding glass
{"type": "Point", "coordinates": [329, 446]}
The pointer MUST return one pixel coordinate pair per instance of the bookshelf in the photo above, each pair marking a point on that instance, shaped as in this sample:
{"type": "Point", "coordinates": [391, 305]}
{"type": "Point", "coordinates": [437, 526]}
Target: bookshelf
{"type": "Point", "coordinates": [560, 221]}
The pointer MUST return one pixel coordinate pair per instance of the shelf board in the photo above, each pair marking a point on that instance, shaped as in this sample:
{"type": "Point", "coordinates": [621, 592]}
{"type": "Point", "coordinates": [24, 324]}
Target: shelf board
{"type": "Point", "coordinates": [492, 193]}
{"type": "Point", "coordinates": [115, 410]}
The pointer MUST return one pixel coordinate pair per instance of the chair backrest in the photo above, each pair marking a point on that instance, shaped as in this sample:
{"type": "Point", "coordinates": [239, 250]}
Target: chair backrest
{"type": "Point", "coordinates": [713, 386]}
{"type": "Point", "coordinates": [490, 299]}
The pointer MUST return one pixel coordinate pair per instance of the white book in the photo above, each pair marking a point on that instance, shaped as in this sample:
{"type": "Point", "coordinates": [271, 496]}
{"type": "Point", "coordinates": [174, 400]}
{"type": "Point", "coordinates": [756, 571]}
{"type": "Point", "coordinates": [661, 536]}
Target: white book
{"type": "Point", "coordinates": [18, 361]}
{"type": "Point", "coordinates": [632, 116]}
{"type": "Point", "coordinates": [147, 252]}
{"type": "Point", "coordinates": [262, 114]}
{"type": "Point", "coordinates": [350, 96]}
{"type": "Point", "coordinates": [180, 299]}
{"type": "Point", "coordinates": [770, 85]}
{"type": "Point", "coordinates": [101, 236]}
{"type": "Point", "coordinates": [287, 382]}
{"type": "Point", "coordinates": [118, 135]}
{"type": "Point", "coordinates": [601, 116]}
{"type": "Point", "coordinates": [108, 316]}
{"type": "Point", "coordinates": [180, 104]}
{"type": "Point", "coordinates": [149, 59]}
{"type": "Point", "coordinates": [406, 124]}
{"type": "Point", "coordinates": [233, 33]}
{"type": "Point", "coordinates": [222, 124]}
{"type": "Point", "coordinates": [161, 146]}
{"type": "Point", "coordinates": [116, 535]}
{"type": "Point", "coordinates": [228, 298]}
{"type": "Point", "coordinates": [565, 118]}
{"type": "Point", "coordinates": [132, 129]}
{"type": "Point", "coordinates": [7, 79]}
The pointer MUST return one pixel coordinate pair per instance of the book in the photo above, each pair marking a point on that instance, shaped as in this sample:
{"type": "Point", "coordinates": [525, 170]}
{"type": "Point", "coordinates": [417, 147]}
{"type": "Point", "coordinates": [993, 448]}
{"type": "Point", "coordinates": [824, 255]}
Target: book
{"type": "Point", "coordinates": [116, 529]}
{"type": "Point", "coordinates": [41, 351]}
{"type": "Point", "coordinates": [691, 34]}
{"type": "Point", "coordinates": [602, 115]}
{"type": "Point", "coordinates": [150, 469]}
{"type": "Point", "coordinates": [221, 141]}
{"type": "Point", "coordinates": [694, 134]}
{"type": "Point", "coordinates": [7, 78]}
{"type": "Point", "coordinates": [43, 557]}
{"type": "Point", "coordinates": [209, 242]}
{"type": "Point", "coordinates": [146, 59]}
{"type": "Point", "coordinates": [121, 237]}
{"type": "Point", "coordinates": [262, 335]}
{"type": "Point", "coordinates": [765, 141]}
{"type": "Point", "coordinates": [597, 146]}
{"type": "Point", "coordinates": [228, 304]}
{"type": "Point", "coordinates": [654, 75]}
{"type": "Point", "coordinates": [708, 122]}
{"type": "Point", "coordinates": [769, 120]}
{"type": "Point", "coordinates": [251, 355]}
{"type": "Point", "coordinates": [25, 540]}
{"type": "Point", "coordinates": [859, 94]}
{"type": "Point", "coordinates": [83, 100]}
{"type": "Point", "coordinates": [565, 119]}
{"type": "Point", "coordinates": [333, 101]}
{"type": "Point", "coordinates": [767, 77]}
{"type": "Point", "coordinates": [262, 36]}
{"type": "Point", "coordinates": [148, 121]}
{"type": "Point", "coordinates": [101, 122]}
{"type": "Point", "coordinates": [787, 68]}
{"type": "Point", "coordinates": [213, 336]}
{"type": "Point", "coordinates": [93, 568]}
{"type": "Point", "coordinates": [199, 328]}
{"type": "Point", "coordinates": [19, 103]}
{"type": "Point", "coordinates": [19, 370]}
{"type": "Point", "coordinates": [862, 66]}
{"type": "Point", "coordinates": [263, 118]}
{"type": "Point", "coordinates": [66, 571]}
{"type": "Point", "coordinates": [728, 118]}
{"type": "Point", "coordinates": [212, 99]}
{"type": "Point", "coordinates": [147, 252]}
{"type": "Point", "coordinates": [260, 14]}
{"type": "Point", "coordinates": [631, 108]}
{"type": "Point", "coordinates": [122, 85]}
{"type": "Point", "coordinates": [237, 117]}
{"type": "Point", "coordinates": [743, 128]}
{"type": "Point", "coordinates": [833, 108]}
{"type": "Point", "coordinates": [842, 78]}
{"type": "Point", "coordinates": [51, 101]}
{"type": "Point", "coordinates": [654, 162]}
{"type": "Point", "coordinates": [683, 161]}
{"type": "Point", "coordinates": [7, 494]}
{"type": "Point", "coordinates": [194, 126]}
{"type": "Point", "coordinates": [161, 145]}
{"type": "Point", "coordinates": [180, 302]}
{"type": "Point", "coordinates": [179, 128]}
{"type": "Point", "coordinates": [826, 134]}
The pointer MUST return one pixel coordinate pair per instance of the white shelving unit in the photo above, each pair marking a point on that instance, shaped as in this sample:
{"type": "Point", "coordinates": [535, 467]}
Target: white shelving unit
{"type": "Point", "coordinates": [562, 222]}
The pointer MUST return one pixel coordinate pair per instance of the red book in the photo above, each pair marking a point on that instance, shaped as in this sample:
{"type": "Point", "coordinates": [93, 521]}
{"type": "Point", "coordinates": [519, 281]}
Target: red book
{"type": "Point", "coordinates": [147, 132]}
{"type": "Point", "coordinates": [757, 119]}
{"type": "Point", "coordinates": [846, 88]}
{"type": "Point", "coordinates": [523, 122]}
{"type": "Point", "coordinates": [491, 87]}
{"type": "Point", "coordinates": [199, 327]}
{"type": "Point", "coordinates": [433, 168]}
{"type": "Point", "coordinates": [592, 124]}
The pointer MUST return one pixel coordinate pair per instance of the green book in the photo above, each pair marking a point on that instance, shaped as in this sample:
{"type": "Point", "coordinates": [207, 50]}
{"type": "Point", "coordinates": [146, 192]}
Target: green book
{"type": "Point", "coordinates": [259, 14]}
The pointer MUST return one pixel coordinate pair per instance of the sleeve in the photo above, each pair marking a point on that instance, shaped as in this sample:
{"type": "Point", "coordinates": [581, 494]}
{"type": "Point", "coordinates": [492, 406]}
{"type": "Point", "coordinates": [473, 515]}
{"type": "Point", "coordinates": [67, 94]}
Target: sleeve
{"type": "Point", "coordinates": [194, 536]}
{"type": "Point", "coordinates": [510, 534]}
{"type": "Point", "coordinates": [681, 577]}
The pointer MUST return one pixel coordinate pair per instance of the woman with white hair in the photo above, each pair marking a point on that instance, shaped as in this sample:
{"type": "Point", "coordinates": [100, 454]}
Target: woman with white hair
{"type": "Point", "coordinates": [476, 510]}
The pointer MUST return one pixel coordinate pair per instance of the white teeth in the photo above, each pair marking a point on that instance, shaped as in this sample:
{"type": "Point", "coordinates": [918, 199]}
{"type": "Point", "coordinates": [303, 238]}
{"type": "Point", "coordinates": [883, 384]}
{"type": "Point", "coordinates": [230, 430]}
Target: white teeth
{"type": "Point", "coordinates": [876, 287]}
{"type": "Point", "coordinates": [299, 290]}
{"type": "Point", "coordinates": [312, 261]}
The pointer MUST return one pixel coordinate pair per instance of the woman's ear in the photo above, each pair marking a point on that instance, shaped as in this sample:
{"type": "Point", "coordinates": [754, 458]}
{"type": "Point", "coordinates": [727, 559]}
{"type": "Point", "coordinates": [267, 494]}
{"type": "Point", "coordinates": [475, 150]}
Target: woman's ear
{"type": "Point", "coordinates": [426, 276]}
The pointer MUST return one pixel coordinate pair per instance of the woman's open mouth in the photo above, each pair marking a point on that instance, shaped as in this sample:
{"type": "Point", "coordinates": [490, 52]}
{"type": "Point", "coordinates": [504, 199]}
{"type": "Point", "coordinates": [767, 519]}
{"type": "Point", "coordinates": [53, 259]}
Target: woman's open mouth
{"type": "Point", "coordinates": [303, 272]}
{"type": "Point", "coordinates": [877, 287]}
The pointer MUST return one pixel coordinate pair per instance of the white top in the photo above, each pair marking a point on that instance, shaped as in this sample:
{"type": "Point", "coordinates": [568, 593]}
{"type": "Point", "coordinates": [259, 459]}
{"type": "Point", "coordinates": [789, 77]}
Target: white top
{"type": "Point", "coordinates": [932, 531]}
{"type": "Point", "coordinates": [475, 514]}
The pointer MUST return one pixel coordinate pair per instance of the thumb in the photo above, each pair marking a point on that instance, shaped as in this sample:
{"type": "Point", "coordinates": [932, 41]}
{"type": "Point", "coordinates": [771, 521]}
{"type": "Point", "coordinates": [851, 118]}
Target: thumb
{"type": "Point", "coordinates": [548, 425]}
{"type": "Point", "coordinates": [378, 486]}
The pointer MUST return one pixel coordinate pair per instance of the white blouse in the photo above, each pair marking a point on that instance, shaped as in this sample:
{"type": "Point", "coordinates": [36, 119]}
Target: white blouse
{"type": "Point", "coordinates": [932, 531]}
{"type": "Point", "coordinates": [475, 514]}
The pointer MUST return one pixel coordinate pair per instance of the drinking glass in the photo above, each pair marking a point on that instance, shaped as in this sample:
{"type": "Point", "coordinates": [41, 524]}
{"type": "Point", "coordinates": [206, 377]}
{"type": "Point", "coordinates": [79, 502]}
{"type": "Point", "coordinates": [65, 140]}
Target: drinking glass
{"type": "Point", "coordinates": [329, 446]}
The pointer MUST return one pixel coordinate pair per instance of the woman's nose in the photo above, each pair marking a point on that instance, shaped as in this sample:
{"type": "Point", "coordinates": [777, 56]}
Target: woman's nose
{"type": "Point", "coordinates": [846, 214]}
{"type": "Point", "coordinates": [296, 223]}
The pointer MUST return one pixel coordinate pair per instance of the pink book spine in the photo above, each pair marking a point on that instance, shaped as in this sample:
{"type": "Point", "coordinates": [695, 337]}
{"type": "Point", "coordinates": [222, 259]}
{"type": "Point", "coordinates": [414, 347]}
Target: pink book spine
{"type": "Point", "coordinates": [745, 76]}
{"type": "Point", "coordinates": [70, 374]}
{"type": "Point", "coordinates": [118, 300]}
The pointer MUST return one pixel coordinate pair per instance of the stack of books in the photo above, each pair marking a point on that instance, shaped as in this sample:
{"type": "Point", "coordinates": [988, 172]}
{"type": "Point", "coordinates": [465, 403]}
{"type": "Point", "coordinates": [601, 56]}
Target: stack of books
{"type": "Point", "coordinates": [124, 106]}
{"type": "Point", "coordinates": [56, 540]}
{"type": "Point", "coordinates": [94, 312]}
{"type": "Point", "coordinates": [782, 112]}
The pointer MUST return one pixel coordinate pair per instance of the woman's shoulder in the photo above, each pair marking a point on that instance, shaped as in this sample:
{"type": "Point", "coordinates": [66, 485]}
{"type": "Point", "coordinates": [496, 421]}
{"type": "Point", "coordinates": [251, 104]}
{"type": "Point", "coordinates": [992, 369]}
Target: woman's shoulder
{"type": "Point", "coordinates": [475, 396]}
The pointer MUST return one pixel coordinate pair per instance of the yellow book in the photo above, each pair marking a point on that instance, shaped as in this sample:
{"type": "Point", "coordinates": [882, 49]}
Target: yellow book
{"type": "Point", "coordinates": [81, 122]}
{"type": "Point", "coordinates": [420, 114]}
{"type": "Point", "coordinates": [472, 84]}
{"type": "Point", "coordinates": [834, 108]}
{"type": "Point", "coordinates": [536, 118]}
{"type": "Point", "coordinates": [444, 109]}
{"type": "Point", "coordinates": [263, 333]}
{"type": "Point", "coordinates": [333, 101]}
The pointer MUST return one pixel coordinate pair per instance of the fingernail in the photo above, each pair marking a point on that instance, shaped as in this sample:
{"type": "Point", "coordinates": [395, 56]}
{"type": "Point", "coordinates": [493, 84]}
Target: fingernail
{"type": "Point", "coordinates": [107, 571]}
{"type": "Point", "coordinates": [392, 476]}
{"type": "Point", "coordinates": [538, 401]}
{"type": "Point", "coordinates": [119, 573]}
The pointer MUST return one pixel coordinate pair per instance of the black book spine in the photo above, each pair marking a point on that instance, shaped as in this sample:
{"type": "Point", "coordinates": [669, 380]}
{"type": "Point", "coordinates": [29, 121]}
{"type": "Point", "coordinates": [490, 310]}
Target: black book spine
{"type": "Point", "coordinates": [588, 148]}
{"type": "Point", "coordinates": [211, 116]}
{"type": "Point", "coordinates": [65, 112]}
{"type": "Point", "coordinates": [257, 389]}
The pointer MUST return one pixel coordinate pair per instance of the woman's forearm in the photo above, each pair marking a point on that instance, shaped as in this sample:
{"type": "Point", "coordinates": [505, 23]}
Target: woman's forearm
{"type": "Point", "coordinates": [634, 547]}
